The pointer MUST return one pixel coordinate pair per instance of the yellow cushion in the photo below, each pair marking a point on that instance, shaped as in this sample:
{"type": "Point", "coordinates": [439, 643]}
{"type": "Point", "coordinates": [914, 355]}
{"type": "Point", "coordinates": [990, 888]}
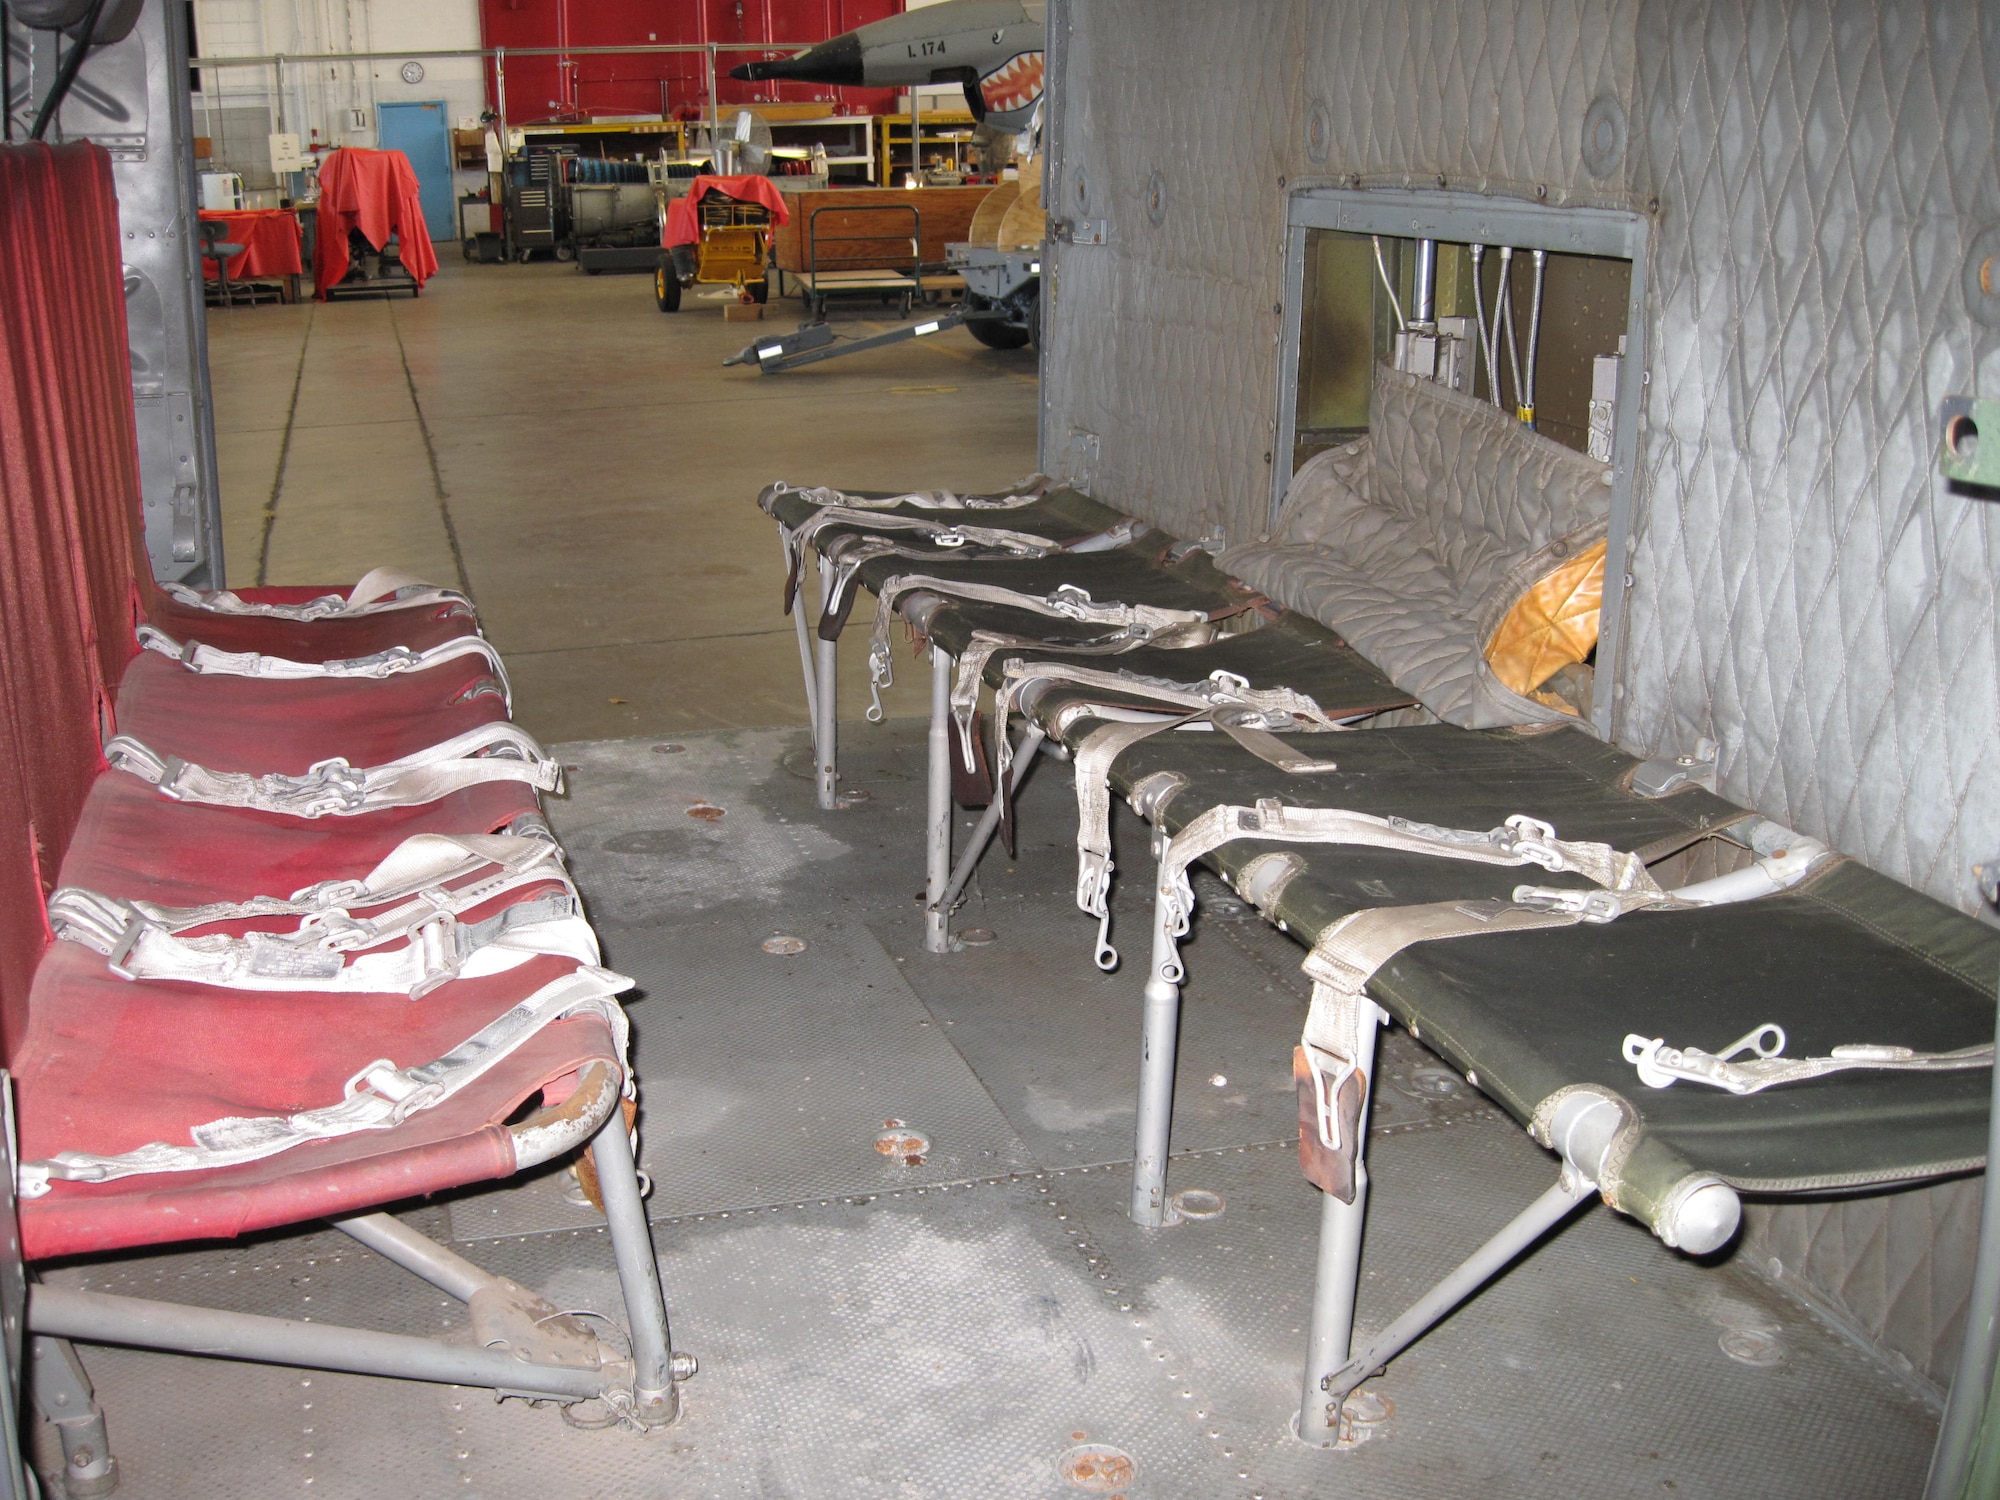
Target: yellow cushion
{"type": "Point", "coordinates": [1551, 625]}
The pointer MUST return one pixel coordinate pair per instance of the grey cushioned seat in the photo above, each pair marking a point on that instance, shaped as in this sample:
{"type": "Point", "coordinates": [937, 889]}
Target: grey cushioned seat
{"type": "Point", "coordinates": [1415, 541]}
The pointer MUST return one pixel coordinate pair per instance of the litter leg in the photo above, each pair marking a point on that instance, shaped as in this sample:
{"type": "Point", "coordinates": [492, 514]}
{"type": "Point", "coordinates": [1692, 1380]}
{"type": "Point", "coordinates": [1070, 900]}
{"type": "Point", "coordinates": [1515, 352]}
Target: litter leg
{"type": "Point", "coordinates": [804, 634]}
{"type": "Point", "coordinates": [1569, 1193]}
{"type": "Point", "coordinates": [419, 1254]}
{"type": "Point", "coordinates": [62, 1393]}
{"type": "Point", "coordinates": [101, 1318]}
{"type": "Point", "coordinates": [827, 660]}
{"type": "Point", "coordinates": [989, 821]}
{"type": "Point", "coordinates": [1489, 1260]}
{"type": "Point", "coordinates": [1332, 1327]}
{"type": "Point", "coordinates": [1331, 1330]}
{"type": "Point", "coordinates": [1159, 1042]}
{"type": "Point", "coordinates": [937, 848]}
{"type": "Point", "coordinates": [655, 1367]}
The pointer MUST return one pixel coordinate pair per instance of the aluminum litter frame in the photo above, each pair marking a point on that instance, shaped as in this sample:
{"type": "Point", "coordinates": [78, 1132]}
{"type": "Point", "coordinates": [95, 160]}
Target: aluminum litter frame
{"type": "Point", "coordinates": [544, 1354]}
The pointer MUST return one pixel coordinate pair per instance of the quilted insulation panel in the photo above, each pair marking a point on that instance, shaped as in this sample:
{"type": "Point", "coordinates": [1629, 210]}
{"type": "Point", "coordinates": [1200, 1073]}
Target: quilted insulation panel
{"type": "Point", "coordinates": [1805, 592]}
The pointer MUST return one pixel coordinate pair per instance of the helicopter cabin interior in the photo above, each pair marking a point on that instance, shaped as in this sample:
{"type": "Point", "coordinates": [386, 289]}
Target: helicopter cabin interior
{"type": "Point", "coordinates": [1341, 843]}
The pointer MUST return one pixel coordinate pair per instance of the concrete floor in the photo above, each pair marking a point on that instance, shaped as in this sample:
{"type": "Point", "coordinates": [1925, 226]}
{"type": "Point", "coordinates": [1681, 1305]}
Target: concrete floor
{"type": "Point", "coordinates": [586, 468]}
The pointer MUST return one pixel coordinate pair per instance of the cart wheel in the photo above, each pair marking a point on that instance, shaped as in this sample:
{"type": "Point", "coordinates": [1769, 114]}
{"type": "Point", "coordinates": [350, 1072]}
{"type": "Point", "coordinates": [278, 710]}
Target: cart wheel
{"type": "Point", "coordinates": [467, 244]}
{"type": "Point", "coordinates": [565, 252]}
{"type": "Point", "coordinates": [666, 289]}
{"type": "Point", "coordinates": [521, 256]}
{"type": "Point", "coordinates": [995, 335]}
{"type": "Point", "coordinates": [760, 291]}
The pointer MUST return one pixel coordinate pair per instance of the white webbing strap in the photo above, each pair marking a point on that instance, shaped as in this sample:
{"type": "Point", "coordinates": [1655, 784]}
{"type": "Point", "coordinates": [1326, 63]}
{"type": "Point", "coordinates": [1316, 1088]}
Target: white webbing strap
{"type": "Point", "coordinates": [335, 788]}
{"type": "Point", "coordinates": [1092, 766]}
{"type": "Point", "coordinates": [422, 862]}
{"type": "Point", "coordinates": [1092, 763]}
{"type": "Point", "coordinates": [1065, 602]}
{"type": "Point", "coordinates": [208, 661]}
{"type": "Point", "coordinates": [1223, 698]}
{"type": "Point", "coordinates": [950, 535]}
{"type": "Point", "coordinates": [1027, 493]}
{"type": "Point", "coordinates": [432, 951]}
{"type": "Point", "coordinates": [325, 953]}
{"type": "Point", "coordinates": [1255, 708]}
{"type": "Point", "coordinates": [378, 591]}
{"type": "Point", "coordinates": [1521, 840]}
{"type": "Point", "coordinates": [848, 551]}
{"type": "Point", "coordinates": [979, 650]}
{"type": "Point", "coordinates": [1660, 1066]}
{"type": "Point", "coordinates": [378, 1097]}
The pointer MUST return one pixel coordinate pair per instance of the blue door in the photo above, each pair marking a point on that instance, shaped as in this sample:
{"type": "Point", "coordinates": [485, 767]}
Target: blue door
{"type": "Point", "coordinates": [419, 132]}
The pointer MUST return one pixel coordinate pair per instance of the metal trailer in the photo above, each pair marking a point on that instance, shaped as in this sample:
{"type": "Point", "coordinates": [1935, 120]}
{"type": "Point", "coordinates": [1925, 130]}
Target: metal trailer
{"type": "Point", "coordinates": [1001, 308]}
{"type": "Point", "coordinates": [834, 272]}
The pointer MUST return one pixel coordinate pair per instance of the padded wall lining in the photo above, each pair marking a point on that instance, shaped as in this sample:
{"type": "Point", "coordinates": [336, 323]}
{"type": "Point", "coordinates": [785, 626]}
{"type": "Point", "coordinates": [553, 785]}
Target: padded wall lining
{"type": "Point", "coordinates": [1897, 1266]}
{"type": "Point", "coordinates": [1805, 590]}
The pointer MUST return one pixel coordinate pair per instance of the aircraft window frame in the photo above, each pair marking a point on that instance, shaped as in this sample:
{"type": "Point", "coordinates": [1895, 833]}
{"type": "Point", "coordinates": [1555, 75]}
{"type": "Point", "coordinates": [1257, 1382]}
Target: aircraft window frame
{"type": "Point", "coordinates": [1461, 218]}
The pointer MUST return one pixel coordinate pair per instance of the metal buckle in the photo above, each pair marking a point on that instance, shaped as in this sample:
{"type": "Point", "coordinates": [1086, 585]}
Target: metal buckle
{"type": "Point", "coordinates": [1535, 842]}
{"type": "Point", "coordinates": [440, 945]}
{"type": "Point", "coordinates": [1230, 684]}
{"type": "Point", "coordinates": [328, 786]}
{"type": "Point", "coordinates": [1595, 906]}
{"type": "Point", "coordinates": [171, 767]}
{"type": "Point", "coordinates": [122, 946]}
{"type": "Point", "coordinates": [1329, 1072]}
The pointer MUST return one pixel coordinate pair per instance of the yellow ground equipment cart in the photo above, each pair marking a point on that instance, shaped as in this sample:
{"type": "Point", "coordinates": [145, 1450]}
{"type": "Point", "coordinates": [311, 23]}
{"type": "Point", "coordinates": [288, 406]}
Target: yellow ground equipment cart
{"type": "Point", "coordinates": [720, 234]}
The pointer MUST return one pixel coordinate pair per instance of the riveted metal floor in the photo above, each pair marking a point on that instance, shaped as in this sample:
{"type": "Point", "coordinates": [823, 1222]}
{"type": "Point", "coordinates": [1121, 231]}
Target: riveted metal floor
{"type": "Point", "coordinates": [987, 1321]}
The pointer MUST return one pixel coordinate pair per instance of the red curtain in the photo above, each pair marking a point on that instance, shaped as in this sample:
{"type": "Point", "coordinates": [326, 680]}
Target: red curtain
{"type": "Point", "coordinates": [68, 493]}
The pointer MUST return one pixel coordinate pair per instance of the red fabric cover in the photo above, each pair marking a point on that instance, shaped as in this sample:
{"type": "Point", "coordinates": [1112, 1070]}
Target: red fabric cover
{"type": "Point", "coordinates": [68, 475]}
{"type": "Point", "coordinates": [683, 226]}
{"type": "Point", "coordinates": [261, 725]}
{"type": "Point", "coordinates": [110, 1065]}
{"type": "Point", "coordinates": [136, 844]}
{"type": "Point", "coordinates": [377, 193]}
{"type": "Point", "coordinates": [270, 237]}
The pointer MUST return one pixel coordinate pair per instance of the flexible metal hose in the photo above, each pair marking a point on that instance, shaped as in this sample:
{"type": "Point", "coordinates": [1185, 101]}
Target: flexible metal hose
{"type": "Point", "coordinates": [1526, 409]}
{"type": "Point", "coordinates": [1486, 356]}
{"type": "Point", "coordinates": [1503, 318]}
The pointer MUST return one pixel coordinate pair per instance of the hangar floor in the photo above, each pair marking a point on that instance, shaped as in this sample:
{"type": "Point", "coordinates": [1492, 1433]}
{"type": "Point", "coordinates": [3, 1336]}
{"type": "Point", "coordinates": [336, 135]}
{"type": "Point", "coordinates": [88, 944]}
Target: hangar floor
{"type": "Point", "coordinates": [584, 466]}
{"type": "Point", "coordinates": [869, 1328]}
